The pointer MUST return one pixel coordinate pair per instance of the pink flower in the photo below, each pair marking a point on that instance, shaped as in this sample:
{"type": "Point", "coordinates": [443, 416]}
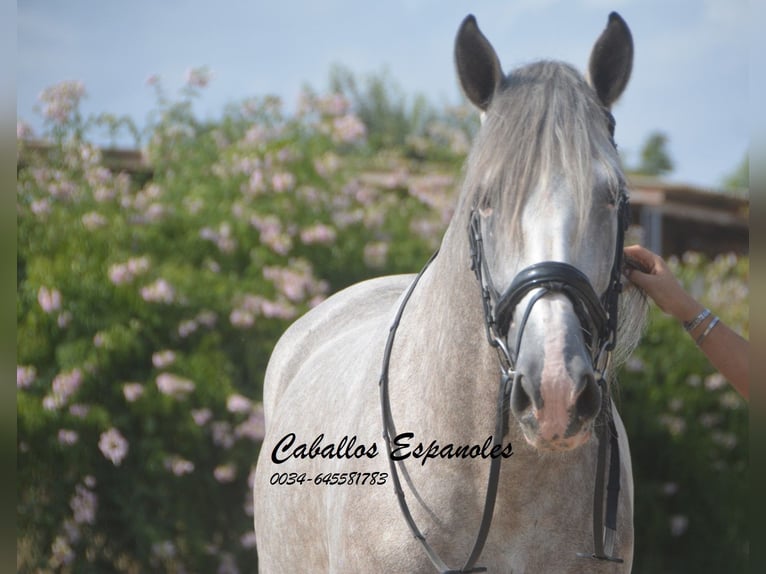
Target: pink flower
{"type": "Point", "coordinates": [198, 77]}
{"type": "Point", "coordinates": [283, 181]}
{"type": "Point", "coordinates": [319, 233]}
{"type": "Point", "coordinates": [25, 376]}
{"type": "Point", "coordinates": [348, 129]}
{"type": "Point", "coordinates": [67, 437]}
{"type": "Point", "coordinates": [334, 105]}
{"type": "Point", "coordinates": [238, 404]}
{"type": "Point", "coordinates": [158, 292]}
{"type": "Point", "coordinates": [63, 320]}
{"type": "Point", "coordinates": [103, 194]}
{"type": "Point", "coordinates": [256, 183]}
{"type": "Point", "coordinates": [153, 80]}
{"type": "Point", "coordinates": [162, 359]}
{"type": "Point", "coordinates": [201, 416]}
{"type": "Point", "coordinates": [222, 434]}
{"type": "Point", "coordinates": [207, 318]}
{"type": "Point", "coordinates": [271, 233]}
{"type": "Point", "coordinates": [163, 550]}
{"type": "Point", "coordinates": [113, 446]}
{"type": "Point", "coordinates": [52, 402]}
{"type": "Point", "coordinates": [91, 156]}
{"type": "Point", "coordinates": [178, 466]}
{"type": "Point", "coordinates": [174, 386]}
{"type": "Point", "coordinates": [49, 299]}
{"type": "Point", "coordinates": [23, 130]}
{"type": "Point", "coordinates": [155, 212]}
{"type": "Point", "coordinates": [84, 504]}
{"type": "Point", "coordinates": [62, 189]}
{"type": "Point", "coordinates": [678, 524]}
{"type": "Point", "coordinates": [186, 328]}
{"type": "Point", "coordinates": [99, 339]}
{"type": "Point", "coordinates": [93, 220]}
{"type": "Point", "coordinates": [227, 565]}
{"type": "Point", "coordinates": [120, 273]}
{"type": "Point", "coordinates": [241, 318]}
{"type": "Point", "coordinates": [64, 386]}
{"type": "Point", "coordinates": [61, 100]}
{"type": "Point", "coordinates": [71, 531]}
{"type": "Point", "coordinates": [292, 283]}
{"type": "Point", "coordinates": [257, 134]}
{"type": "Point", "coordinates": [40, 207]}
{"type": "Point", "coordinates": [225, 473]}
{"type": "Point", "coordinates": [79, 411]}
{"type": "Point", "coordinates": [248, 540]}
{"type": "Point", "coordinates": [253, 428]}
{"type": "Point", "coordinates": [327, 165]}
{"type": "Point", "coordinates": [222, 238]}
{"type": "Point", "coordinates": [61, 552]}
{"type": "Point", "coordinates": [278, 309]}
{"type": "Point", "coordinates": [132, 391]}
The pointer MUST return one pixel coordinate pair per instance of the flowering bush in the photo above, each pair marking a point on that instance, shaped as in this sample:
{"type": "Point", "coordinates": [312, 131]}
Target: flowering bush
{"type": "Point", "coordinates": [148, 306]}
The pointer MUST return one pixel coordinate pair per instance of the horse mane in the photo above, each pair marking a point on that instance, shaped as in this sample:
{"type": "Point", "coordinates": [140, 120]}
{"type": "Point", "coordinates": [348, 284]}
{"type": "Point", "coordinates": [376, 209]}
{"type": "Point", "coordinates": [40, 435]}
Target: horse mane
{"type": "Point", "coordinates": [543, 121]}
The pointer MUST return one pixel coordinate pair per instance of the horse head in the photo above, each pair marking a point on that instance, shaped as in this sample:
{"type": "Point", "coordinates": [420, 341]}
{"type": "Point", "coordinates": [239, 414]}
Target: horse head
{"type": "Point", "coordinates": [544, 197]}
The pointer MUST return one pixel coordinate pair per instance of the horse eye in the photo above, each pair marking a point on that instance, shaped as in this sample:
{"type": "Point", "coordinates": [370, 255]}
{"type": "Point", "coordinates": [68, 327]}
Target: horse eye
{"type": "Point", "coordinates": [609, 195]}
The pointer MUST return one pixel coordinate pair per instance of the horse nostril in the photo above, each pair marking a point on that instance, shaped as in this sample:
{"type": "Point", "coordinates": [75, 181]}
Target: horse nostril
{"type": "Point", "coordinates": [520, 399]}
{"type": "Point", "coordinates": [589, 400]}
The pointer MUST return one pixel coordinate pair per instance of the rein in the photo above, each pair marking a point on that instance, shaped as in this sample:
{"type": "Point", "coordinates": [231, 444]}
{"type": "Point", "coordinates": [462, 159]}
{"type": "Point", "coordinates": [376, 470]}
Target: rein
{"type": "Point", "coordinates": [389, 432]}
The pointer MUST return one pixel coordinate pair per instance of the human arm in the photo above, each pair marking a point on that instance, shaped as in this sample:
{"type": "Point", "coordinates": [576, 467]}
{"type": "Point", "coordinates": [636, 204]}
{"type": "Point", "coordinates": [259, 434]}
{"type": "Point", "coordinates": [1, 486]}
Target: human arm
{"type": "Point", "coordinates": [727, 351]}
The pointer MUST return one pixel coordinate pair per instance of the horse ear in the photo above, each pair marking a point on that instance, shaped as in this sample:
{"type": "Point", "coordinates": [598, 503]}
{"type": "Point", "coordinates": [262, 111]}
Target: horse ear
{"type": "Point", "coordinates": [611, 60]}
{"type": "Point", "coordinates": [478, 66]}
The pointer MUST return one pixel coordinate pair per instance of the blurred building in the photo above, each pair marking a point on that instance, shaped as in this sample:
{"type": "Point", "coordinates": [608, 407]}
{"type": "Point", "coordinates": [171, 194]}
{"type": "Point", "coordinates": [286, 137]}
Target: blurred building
{"type": "Point", "coordinates": [672, 219]}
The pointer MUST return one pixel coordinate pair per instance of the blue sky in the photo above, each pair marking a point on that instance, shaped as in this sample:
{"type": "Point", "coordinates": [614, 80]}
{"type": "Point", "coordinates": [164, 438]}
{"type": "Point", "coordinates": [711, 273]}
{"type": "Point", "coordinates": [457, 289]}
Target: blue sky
{"type": "Point", "coordinates": [690, 76]}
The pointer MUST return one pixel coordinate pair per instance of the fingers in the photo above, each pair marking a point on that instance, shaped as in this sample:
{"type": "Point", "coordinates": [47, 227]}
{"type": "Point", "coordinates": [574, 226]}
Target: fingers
{"type": "Point", "coordinates": [641, 258]}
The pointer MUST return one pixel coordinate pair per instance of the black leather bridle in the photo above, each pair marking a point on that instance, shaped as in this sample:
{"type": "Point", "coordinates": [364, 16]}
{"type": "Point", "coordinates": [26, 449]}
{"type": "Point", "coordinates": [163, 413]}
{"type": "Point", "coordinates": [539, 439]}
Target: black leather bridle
{"type": "Point", "coordinates": [597, 314]}
{"type": "Point", "coordinates": [598, 318]}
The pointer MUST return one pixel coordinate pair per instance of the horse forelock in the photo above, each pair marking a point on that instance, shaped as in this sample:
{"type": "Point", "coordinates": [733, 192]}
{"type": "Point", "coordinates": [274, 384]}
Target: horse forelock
{"type": "Point", "coordinates": [544, 123]}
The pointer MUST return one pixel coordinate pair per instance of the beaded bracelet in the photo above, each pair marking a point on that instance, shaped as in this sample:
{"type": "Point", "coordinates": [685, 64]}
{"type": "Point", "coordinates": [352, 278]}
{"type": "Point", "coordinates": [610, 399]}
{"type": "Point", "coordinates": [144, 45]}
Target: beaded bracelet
{"type": "Point", "coordinates": [709, 328]}
{"type": "Point", "coordinates": [690, 325]}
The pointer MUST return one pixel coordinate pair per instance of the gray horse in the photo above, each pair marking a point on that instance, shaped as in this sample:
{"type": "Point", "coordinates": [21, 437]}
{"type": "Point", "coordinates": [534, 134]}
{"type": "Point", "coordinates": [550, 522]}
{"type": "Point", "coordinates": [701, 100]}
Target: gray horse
{"type": "Point", "coordinates": [542, 184]}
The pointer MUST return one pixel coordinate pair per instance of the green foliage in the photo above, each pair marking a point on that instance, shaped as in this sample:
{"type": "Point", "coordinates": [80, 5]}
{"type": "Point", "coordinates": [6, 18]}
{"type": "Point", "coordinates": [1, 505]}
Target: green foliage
{"type": "Point", "coordinates": [147, 309]}
{"type": "Point", "coordinates": [689, 436]}
{"type": "Point", "coordinates": [417, 128]}
{"type": "Point", "coordinates": [738, 181]}
{"type": "Point", "coordinates": [655, 158]}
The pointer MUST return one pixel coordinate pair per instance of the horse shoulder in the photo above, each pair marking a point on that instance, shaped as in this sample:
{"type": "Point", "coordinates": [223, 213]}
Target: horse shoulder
{"type": "Point", "coordinates": [368, 300]}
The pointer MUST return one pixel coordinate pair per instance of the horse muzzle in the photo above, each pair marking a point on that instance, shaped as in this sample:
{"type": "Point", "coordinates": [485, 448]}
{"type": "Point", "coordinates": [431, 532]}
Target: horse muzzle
{"type": "Point", "coordinates": [556, 394]}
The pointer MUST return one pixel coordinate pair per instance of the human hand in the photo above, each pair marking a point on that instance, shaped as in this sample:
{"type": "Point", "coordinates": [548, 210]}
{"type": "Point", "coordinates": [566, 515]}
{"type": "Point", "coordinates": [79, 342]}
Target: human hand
{"type": "Point", "coordinates": [651, 273]}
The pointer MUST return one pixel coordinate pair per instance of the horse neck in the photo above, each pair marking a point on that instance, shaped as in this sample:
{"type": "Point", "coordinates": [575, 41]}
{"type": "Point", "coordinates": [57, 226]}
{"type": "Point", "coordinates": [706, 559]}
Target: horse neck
{"type": "Point", "coordinates": [443, 347]}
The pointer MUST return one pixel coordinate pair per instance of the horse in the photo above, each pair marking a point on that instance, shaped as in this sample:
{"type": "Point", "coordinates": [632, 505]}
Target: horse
{"type": "Point", "coordinates": [390, 406]}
